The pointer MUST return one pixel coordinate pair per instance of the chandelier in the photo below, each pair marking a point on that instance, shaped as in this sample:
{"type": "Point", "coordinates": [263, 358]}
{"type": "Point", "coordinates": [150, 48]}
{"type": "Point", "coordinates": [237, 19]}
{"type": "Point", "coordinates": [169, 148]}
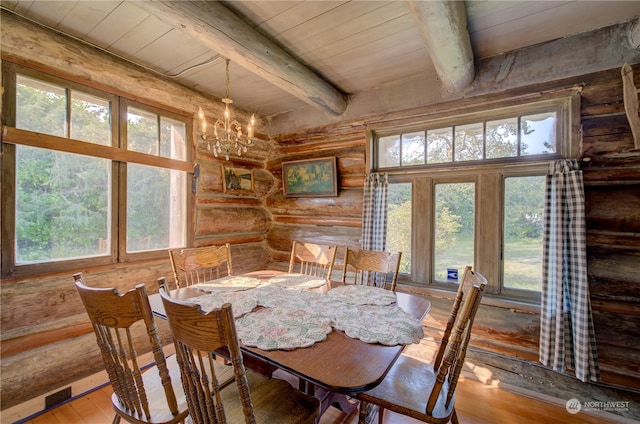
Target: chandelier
{"type": "Point", "coordinates": [227, 133]}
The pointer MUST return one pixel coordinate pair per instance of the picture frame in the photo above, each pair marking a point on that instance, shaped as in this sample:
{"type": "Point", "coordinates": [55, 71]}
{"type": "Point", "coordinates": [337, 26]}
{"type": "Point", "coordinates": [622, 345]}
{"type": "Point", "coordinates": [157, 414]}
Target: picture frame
{"type": "Point", "coordinates": [237, 180]}
{"type": "Point", "coordinates": [310, 177]}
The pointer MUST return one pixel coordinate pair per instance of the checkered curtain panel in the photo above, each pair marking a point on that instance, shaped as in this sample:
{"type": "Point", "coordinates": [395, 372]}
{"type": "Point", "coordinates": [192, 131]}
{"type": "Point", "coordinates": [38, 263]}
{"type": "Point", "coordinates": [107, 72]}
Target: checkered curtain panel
{"type": "Point", "coordinates": [567, 336]}
{"type": "Point", "coordinates": [374, 212]}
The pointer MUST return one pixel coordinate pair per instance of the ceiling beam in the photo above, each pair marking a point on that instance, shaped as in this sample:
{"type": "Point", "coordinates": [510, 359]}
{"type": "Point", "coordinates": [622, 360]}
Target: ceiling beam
{"type": "Point", "coordinates": [443, 25]}
{"type": "Point", "coordinates": [222, 30]}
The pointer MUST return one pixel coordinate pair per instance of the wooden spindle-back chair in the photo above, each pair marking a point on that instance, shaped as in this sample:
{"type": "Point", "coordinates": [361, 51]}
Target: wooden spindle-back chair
{"type": "Point", "coordinates": [254, 398]}
{"type": "Point", "coordinates": [312, 259]}
{"type": "Point", "coordinates": [200, 264]}
{"type": "Point", "coordinates": [152, 396]}
{"type": "Point", "coordinates": [371, 268]}
{"type": "Point", "coordinates": [424, 391]}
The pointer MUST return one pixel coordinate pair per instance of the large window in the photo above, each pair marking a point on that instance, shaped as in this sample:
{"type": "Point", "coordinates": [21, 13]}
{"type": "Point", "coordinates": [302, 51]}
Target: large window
{"type": "Point", "coordinates": [84, 187]}
{"type": "Point", "coordinates": [469, 190]}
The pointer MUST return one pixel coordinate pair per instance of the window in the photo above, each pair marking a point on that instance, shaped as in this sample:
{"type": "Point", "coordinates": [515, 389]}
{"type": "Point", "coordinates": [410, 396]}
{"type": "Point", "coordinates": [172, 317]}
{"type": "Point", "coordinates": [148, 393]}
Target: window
{"type": "Point", "coordinates": [453, 227]}
{"type": "Point", "coordinates": [523, 228]}
{"type": "Point", "coordinates": [399, 218]}
{"type": "Point", "coordinates": [469, 190]}
{"type": "Point", "coordinates": [515, 133]}
{"type": "Point", "coordinates": [87, 190]}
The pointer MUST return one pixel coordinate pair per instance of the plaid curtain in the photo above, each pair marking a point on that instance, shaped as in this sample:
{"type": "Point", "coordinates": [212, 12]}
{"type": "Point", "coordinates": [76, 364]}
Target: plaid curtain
{"type": "Point", "coordinates": [567, 336]}
{"type": "Point", "coordinates": [374, 212]}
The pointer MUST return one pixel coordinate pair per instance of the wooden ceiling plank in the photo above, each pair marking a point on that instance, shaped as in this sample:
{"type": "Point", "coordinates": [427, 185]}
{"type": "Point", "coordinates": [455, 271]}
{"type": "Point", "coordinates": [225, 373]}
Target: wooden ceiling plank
{"type": "Point", "coordinates": [181, 46]}
{"type": "Point", "coordinates": [49, 13]}
{"type": "Point", "coordinates": [84, 16]}
{"type": "Point", "coordinates": [140, 36]}
{"type": "Point", "coordinates": [260, 12]}
{"type": "Point", "coordinates": [220, 29]}
{"type": "Point", "coordinates": [117, 24]}
{"type": "Point", "coordinates": [299, 15]}
{"type": "Point", "coordinates": [335, 24]}
{"type": "Point", "coordinates": [518, 32]}
{"type": "Point", "coordinates": [443, 25]}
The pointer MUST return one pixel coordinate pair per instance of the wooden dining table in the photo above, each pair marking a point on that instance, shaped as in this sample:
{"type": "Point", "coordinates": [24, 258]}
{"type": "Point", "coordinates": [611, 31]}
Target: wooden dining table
{"type": "Point", "coordinates": [339, 365]}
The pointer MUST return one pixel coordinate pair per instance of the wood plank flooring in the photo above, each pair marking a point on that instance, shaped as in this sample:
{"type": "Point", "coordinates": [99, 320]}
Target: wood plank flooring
{"type": "Point", "coordinates": [476, 403]}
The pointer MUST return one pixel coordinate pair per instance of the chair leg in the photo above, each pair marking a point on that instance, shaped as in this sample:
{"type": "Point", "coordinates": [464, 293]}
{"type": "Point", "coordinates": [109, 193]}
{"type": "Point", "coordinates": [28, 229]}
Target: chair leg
{"type": "Point", "coordinates": [454, 417]}
{"type": "Point", "coordinates": [380, 413]}
{"type": "Point", "coordinates": [116, 419]}
{"type": "Point", "coordinates": [362, 416]}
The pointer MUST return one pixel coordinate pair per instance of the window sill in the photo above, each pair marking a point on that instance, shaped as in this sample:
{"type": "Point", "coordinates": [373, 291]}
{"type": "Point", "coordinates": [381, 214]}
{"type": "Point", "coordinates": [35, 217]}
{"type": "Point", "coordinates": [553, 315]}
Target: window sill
{"type": "Point", "coordinates": [487, 299]}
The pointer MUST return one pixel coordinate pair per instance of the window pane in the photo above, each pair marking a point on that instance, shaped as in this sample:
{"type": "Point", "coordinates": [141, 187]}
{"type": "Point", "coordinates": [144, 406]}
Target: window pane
{"type": "Point", "coordinates": [440, 145]}
{"type": "Point", "coordinates": [90, 119]}
{"type": "Point", "coordinates": [173, 139]}
{"type": "Point", "coordinates": [389, 151]}
{"type": "Point", "coordinates": [399, 223]}
{"type": "Point", "coordinates": [454, 227]}
{"type": "Point", "coordinates": [156, 208]}
{"type": "Point", "coordinates": [413, 149]}
{"type": "Point", "coordinates": [142, 131]}
{"type": "Point", "coordinates": [62, 205]}
{"type": "Point", "coordinates": [523, 228]}
{"type": "Point", "coordinates": [502, 138]}
{"type": "Point", "coordinates": [41, 107]}
{"type": "Point", "coordinates": [469, 142]}
{"type": "Point", "coordinates": [538, 134]}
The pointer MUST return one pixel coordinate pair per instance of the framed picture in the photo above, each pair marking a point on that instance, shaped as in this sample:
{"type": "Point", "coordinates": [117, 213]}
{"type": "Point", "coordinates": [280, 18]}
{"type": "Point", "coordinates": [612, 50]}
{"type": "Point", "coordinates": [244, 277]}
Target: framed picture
{"type": "Point", "coordinates": [237, 179]}
{"type": "Point", "coordinates": [310, 178]}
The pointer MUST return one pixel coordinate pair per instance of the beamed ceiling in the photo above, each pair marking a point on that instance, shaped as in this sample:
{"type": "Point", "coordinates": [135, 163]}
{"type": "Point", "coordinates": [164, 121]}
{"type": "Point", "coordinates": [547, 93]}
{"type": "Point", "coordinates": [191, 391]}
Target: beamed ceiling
{"type": "Point", "coordinates": [286, 55]}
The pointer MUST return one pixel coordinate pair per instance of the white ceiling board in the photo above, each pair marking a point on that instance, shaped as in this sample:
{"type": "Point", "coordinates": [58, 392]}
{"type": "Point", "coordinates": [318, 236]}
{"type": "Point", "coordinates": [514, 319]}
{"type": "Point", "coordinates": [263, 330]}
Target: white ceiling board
{"type": "Point", "coordinates": [171, 51]}
{"type": "Point", "coordinates": [515, 30]}
{"type": "Point", "coordinates": [334, 28]}
{"type": "Point", "coordinates": [84, 16]}
{"type": "Point", "coordinates": [116, 25]}
{"type": "Point", "coordinates": [149, 30]}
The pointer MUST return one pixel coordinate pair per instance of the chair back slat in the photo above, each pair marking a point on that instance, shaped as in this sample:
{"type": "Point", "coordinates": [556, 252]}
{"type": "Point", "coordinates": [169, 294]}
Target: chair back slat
{"type": "Point", "coordinates": [372, 268]}
{"type": "Point", "coordinates": [312, 259]}
{"type": "Point", "coordinates": [200, 264]}
{"type": "Point", "coordinates": [121, 323]}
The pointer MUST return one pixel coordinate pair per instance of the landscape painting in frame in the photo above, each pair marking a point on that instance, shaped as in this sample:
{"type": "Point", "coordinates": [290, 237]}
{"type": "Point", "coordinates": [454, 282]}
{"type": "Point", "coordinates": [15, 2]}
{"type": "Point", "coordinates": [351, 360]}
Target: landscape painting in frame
{"type": "Point", "coordinates": [310, 178]}
{"type": "Point", "coordinates": [237, 179]}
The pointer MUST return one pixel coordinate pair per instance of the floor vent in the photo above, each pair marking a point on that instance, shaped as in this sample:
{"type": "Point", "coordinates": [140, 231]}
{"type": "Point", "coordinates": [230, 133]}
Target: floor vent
{"type": "Point", "coordinates": [57, 397]}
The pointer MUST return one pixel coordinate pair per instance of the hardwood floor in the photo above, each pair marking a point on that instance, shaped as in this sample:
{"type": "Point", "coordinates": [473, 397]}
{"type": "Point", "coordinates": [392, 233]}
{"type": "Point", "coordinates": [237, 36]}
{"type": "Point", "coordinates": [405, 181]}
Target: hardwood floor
{"type": "Point", "coordinates": [476, 403]}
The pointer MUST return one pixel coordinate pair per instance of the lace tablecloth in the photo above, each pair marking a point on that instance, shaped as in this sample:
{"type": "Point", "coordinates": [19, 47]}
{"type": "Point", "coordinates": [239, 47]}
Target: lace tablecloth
{"type": "Point", "coordinates": [230, 283]}
{"type": "Point", "coordinates": [242, 302]}
{"type": "Point", "coordinates": [297, 281]}
{"type": "Point", "coordinates": [278, 315]}
{"type": "Point", "coordinates": [282, 328]}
